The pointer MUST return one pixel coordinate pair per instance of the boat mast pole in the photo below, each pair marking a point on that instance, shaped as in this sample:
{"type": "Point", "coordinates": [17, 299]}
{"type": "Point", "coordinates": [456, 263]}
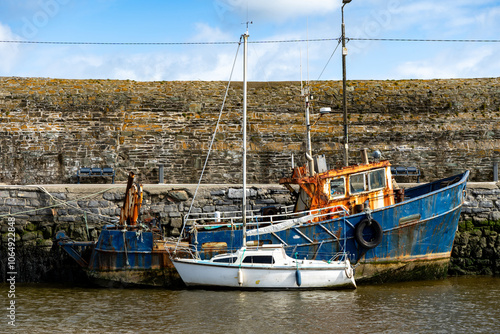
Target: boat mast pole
{"type": "Point", "coordinates": [244, 204]}
{"type": "Point", "coordinates": [308, 141]}
{"type": "Point", "coordinates": [344, 88]}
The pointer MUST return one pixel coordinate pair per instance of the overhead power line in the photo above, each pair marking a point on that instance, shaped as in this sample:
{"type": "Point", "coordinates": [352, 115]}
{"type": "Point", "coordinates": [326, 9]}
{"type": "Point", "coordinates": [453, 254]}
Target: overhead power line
{"type": "Point", "coordinates": [258, 42]}
{"type": "Point", "coordinates": [426, 40]}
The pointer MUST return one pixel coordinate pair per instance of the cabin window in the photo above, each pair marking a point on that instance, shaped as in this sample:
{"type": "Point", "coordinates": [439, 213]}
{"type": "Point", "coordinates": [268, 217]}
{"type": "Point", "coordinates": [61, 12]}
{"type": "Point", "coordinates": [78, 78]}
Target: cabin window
{"type": "Point", "coordinates": [357, 183]}
{"type": "Point", "coordinates": [337, 187]}
{"type": "Point", "coordinates": [229, 259]}
{"type": "Point", "coordinates": [377, 179]}
{"type": "Point", "coordinates": [262, 259]}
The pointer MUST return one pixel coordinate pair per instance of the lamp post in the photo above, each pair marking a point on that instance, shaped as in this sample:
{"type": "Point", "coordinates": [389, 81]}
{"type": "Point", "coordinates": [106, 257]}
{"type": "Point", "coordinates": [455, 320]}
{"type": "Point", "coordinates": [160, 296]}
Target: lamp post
{"type": "Point", "coordinates": [344, 88]}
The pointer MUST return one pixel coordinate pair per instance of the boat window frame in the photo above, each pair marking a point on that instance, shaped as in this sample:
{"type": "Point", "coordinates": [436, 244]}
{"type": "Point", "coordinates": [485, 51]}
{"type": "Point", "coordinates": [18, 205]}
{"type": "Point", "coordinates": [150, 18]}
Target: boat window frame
{"type": "Point", "coordinates": [227, 259]}
{"type": "Point", "coordinates": [370, 179]}
{"type": "Point", "coordinates": [261, 259]}
{"type": "Point", "coordinates": [332, 196]}
{"type": "Point", "coordinates": [365, 183]}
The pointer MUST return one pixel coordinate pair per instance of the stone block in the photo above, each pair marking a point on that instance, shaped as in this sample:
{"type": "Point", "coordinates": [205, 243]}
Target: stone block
{"type": "Point", "coordinates": [234, 193]}
{"type": "Point", "coordinates": [179, 195]}
{"type": "Point", "coordinates": [495, 216]}
{"type": "Point", "coordinates": [29, 194]}
{"type": "Point", "coordinates": [61, 196]}
{"type": "Point", "coordinates": [282, 199]}
{"type": "Point", "coordinates": [471, 204]}
{"type": "Point", "coordinates": [15, 202]}
{"type": "Point", "coordinates": [485, 204]}
{"type": "Point", "coordinates": [93, 204]}
{"type": "Point", "coordinates": [34, 202]}
{"type": "Point", "coordinates": [170, 208]}
{"type": "Point", "coordinates": [156, 208]}
{"type": "Point", "coordinates": [228, 208]}
{"type": "Point", "coordinates": [218, 193]}
{"type": "Point", "coordinates": [67, 219]}
{"type": "Point", "coordinates": [208, 208]}
{"type": "Point", "coordinates": [223, 202]}
{"type": "Point", "coordinates": [266, 201]}
{"type": "Point", "coordinates": [109, 196]}
{"type": "Point", "coordinates": [41, 218]}
{"type": "Point", "coordinates": [27, 236]}
{"type": "Point", "coordinates": [175, 232]}
{"type": "Point", "coordinates": [176, 222]}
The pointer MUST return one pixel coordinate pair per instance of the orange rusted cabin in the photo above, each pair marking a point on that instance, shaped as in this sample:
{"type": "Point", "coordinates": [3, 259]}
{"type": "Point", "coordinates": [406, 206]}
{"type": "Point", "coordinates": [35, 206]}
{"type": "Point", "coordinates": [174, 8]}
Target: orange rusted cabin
{"type": "Point", "coordinates": [355, 187]}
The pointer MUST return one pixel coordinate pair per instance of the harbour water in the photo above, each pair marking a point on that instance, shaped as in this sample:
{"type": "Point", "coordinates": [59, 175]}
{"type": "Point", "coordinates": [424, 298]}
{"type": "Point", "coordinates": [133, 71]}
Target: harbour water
{"type": "Point", "coordinates": [454, 305]}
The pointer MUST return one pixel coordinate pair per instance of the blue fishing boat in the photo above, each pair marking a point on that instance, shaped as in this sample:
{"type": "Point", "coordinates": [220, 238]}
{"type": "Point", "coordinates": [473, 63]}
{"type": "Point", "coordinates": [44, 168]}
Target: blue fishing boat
{"type": "Point", "coordinates": [390, 234]}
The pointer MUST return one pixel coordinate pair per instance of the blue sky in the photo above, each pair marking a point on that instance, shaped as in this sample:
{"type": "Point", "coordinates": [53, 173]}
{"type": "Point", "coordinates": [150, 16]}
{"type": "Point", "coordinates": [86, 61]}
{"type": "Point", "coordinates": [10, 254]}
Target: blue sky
{"type": "Point", "coordinates": [222, 21]}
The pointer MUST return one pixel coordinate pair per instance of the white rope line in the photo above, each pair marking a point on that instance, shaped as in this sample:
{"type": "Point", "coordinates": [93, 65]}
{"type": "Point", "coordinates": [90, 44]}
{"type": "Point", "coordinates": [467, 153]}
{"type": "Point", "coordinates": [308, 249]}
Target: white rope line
{"type": "Point", "coordinates": [211, 144]}
{"type": "Point", "coordinates": [62, 203]}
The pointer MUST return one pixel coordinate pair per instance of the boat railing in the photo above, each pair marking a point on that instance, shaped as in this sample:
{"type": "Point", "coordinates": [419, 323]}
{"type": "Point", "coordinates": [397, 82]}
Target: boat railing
{"type": "Point", "coordinates": [256, 219]}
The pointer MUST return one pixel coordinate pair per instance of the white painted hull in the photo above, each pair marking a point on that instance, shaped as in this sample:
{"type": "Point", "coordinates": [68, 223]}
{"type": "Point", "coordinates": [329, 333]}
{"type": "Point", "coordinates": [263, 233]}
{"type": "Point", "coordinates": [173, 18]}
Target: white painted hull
{"type": "Point", "coordinates": [205, 273]}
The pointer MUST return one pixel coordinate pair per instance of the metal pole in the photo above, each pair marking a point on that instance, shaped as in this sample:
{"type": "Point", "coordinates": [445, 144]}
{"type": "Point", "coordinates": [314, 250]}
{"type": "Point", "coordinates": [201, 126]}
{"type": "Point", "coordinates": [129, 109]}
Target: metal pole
{"type": "Point", "coordinates": [495, 170]}
{"type": "Point", "coordinates": [344, 88]}
{"type": "Point", "coordinates": [160, 172]}
{"type": "Point", "coordinates": [309, 158]}
{"type": "Point", "coordinates": [244, 204]}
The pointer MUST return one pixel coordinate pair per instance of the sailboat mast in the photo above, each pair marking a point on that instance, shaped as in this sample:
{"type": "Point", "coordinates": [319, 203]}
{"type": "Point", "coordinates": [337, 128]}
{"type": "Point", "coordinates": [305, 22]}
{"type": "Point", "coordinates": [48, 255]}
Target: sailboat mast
{"type": "Point", "coordinates": [244, 199]}
{"type": "Point", "coordinates": [308, 136]}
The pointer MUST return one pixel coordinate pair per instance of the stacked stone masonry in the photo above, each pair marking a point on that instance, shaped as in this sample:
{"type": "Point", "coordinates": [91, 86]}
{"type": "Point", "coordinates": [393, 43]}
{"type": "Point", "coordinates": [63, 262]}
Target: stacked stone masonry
{"type": "Point", "coordinates": [49, 128]}
{"type": "Point", "coordinates": [82, 210]}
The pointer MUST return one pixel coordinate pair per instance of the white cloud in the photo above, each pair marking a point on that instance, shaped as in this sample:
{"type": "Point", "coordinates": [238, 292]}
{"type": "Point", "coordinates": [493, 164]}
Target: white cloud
{"type": "Point", "coordinates": [206, 33]}
{"type": "Point", "coordinates": [275, 10]}
{"type": "Point", "coordinates": [9, 52]}
{"type": "Point", "coordinates": [464, 63]}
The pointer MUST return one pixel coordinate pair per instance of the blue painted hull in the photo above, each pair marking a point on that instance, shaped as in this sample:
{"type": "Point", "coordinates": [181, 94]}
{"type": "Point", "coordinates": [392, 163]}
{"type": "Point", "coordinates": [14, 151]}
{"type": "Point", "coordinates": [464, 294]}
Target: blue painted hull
{"type": "Point", "coordinates": [418, 231]}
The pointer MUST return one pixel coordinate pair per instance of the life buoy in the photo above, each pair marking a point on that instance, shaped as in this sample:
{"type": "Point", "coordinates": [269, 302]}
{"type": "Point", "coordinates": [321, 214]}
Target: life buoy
{"type": "Point", "coordinates": [376, 237]}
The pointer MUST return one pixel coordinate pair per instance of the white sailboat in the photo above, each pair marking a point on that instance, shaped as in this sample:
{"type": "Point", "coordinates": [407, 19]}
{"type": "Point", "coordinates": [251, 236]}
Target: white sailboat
{"type": "Point", "coordinates": [263, 266]}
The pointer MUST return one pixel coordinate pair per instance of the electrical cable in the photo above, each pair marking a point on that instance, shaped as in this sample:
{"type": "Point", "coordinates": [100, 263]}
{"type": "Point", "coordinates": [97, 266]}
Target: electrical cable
{"type": "Point", "coordinates": [258, 42]}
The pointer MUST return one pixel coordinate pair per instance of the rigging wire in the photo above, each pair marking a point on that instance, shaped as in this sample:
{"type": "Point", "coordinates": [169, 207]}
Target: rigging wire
{"type": "Point", "coordinates": [61, 203]}
{"type": "Point", "coordinates": [211, 142]}
{"type": "Point", "coordinates": [258, 42]}
{"type": "Point", "coordinates": [331, 56]}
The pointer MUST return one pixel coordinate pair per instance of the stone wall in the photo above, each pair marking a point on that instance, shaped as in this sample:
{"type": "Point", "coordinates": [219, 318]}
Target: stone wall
{"type": "Point", "coordinates": [476, 249]}
{"type": "Point", "coordinates": [49, 128]}
{"type": "Point", "coordinates": [39, 213]}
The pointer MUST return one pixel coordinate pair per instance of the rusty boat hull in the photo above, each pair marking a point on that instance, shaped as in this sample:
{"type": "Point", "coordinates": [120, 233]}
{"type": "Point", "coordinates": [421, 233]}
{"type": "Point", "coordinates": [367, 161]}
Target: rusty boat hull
{"type": "Point", "coordinates": [124, 258]}
{"type": "Point", "coordinates": [415, 241]}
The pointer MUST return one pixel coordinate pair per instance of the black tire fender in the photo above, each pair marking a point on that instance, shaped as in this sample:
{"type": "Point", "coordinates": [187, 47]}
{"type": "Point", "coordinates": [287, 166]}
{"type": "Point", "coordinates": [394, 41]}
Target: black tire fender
{"type": "Point", "coordinates": [377, 233]}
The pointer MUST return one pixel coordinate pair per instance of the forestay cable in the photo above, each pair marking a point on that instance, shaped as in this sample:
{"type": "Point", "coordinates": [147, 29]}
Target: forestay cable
{"type": "Point", "coordinates": [211, 144]}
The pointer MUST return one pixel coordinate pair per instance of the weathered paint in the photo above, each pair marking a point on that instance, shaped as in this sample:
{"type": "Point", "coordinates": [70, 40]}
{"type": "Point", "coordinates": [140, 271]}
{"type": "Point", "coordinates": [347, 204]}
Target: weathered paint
{"type": "Point", "coordinates": [317, 187]}
{"type": "Point", "coordinates": [126, 258]}
{"type": "Point", "coordinates": [426, 240]}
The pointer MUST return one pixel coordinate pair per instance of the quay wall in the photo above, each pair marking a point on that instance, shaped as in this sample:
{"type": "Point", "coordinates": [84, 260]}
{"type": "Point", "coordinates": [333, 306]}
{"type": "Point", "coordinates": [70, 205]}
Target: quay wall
{"type": "Point", "coordinates": [81, 210]}
{"type": "Point", "coordinates": [49, 128]}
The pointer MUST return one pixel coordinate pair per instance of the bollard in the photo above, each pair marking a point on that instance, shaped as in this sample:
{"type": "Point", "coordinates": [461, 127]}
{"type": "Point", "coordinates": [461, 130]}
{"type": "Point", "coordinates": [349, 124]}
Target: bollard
{"type": "Point", "coordinates": [160, 174]}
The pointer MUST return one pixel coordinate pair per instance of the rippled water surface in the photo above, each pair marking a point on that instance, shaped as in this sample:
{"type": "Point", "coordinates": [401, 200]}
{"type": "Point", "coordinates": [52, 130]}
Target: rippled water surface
{"type": "Point", "coordinates": [461, 305]}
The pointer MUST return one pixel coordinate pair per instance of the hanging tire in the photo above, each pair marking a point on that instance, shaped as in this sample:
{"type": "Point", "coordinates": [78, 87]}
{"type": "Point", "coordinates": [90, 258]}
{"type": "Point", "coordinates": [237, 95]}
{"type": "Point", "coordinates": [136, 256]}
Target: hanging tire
{"type": "Point", "coordinates": [376, 238]}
